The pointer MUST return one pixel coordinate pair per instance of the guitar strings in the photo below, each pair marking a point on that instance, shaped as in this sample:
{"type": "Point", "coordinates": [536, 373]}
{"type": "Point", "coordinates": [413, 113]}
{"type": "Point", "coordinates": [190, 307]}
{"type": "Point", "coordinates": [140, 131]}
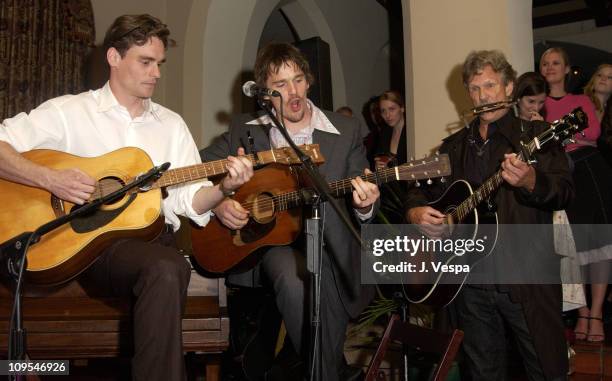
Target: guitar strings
{"type": "Point", "coordinates": [470, 203]}
{"type": "Point", "coordinates": [270, 203]}
{"type": "Point", "coordinates": [189, 173]}
{"type": "Point", "coordinates": [193, 172]}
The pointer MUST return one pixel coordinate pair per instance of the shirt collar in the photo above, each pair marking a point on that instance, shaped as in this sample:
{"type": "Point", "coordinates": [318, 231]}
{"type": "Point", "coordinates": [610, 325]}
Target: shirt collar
{"type": "Point", "coordinates": [318, 120]}
{"type": "Point", "coordinates": [107, 101]}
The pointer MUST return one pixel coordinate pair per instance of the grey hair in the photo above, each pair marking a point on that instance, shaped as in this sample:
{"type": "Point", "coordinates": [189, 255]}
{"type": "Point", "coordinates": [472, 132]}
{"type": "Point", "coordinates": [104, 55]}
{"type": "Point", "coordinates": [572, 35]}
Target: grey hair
{"type": "Point", "coordinates": [476, 61]}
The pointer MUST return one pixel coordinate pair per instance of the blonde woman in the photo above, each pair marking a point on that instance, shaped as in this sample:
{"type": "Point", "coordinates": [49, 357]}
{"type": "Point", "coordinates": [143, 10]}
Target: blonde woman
{"type": "Point", "coordinates": [598, 90]}
{"type": "Point", "coordinates": [592, 204]}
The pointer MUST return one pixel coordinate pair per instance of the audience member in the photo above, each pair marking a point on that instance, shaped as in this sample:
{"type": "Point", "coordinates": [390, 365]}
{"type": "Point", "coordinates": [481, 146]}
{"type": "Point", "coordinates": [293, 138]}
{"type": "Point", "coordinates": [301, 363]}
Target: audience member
{"type": "Point", "coordinates": [598, 90]}
{"type": "Point", "coordinates": [392, 143]}
{"type": "Point", "coordinates": [593, 181]}
{"type": "Point", "coordinates": [346, 111]}
{"type": "Point", "coordinates": [530, 94]}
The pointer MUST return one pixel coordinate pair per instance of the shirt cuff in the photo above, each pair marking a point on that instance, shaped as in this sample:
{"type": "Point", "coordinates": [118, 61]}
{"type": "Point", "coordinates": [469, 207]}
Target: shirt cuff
{"type": "Point", "coordinates": [366, 216]}
{"type": "Point", "coordinates": [199, 219]}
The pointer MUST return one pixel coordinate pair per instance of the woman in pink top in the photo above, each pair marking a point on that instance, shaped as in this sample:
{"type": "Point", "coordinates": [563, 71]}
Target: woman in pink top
{"type": "Point", "coordinates": [592, 181]}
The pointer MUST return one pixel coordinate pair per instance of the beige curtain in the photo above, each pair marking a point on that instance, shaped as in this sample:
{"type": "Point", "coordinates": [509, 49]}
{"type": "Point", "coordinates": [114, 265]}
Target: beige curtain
{"type": "Point", "coordinates": [43, 50]}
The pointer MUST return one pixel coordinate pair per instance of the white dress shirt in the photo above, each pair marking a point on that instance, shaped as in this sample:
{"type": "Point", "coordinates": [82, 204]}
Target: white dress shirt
{"type": "Point", "coordinates": [93, 123]}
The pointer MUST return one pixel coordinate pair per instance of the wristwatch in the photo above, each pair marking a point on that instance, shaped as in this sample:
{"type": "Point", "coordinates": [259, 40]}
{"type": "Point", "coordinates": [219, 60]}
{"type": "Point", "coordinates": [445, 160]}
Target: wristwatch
{"type": "Point", "coordinates": [226, 193]}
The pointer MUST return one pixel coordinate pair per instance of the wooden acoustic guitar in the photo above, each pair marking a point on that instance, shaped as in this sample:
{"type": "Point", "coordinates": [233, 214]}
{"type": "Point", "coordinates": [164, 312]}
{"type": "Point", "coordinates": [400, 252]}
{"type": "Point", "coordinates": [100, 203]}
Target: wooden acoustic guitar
{"type": "Point", "coordinates": [65, 252]}
{"type": "Point", "coordinates": [273, 197]}
{"type": "Point", "coordinates": [460, 205]}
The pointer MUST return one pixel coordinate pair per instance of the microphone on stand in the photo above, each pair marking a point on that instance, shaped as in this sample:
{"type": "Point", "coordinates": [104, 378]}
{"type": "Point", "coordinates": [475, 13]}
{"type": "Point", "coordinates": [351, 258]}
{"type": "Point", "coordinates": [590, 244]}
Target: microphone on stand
{"type": "Point", "coordinates": [251, 89]}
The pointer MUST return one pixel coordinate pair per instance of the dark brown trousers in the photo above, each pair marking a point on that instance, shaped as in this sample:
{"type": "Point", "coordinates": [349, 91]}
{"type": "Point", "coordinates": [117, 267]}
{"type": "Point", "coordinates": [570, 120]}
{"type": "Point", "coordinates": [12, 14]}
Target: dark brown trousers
{"type": "Point", "coordinates": [156, 278]}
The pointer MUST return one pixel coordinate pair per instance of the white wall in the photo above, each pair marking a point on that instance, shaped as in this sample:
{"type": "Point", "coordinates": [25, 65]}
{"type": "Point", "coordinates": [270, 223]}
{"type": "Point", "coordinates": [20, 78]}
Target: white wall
{"type": "Point", "coordinates": [438, 35]}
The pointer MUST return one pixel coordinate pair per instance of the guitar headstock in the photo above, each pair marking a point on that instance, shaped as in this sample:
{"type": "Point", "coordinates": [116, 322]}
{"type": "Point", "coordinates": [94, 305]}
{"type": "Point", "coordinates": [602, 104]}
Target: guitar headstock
{"type": "Point", "coordinates": [565, 128]}
{"type": "Point", "coordinates": [286, 155]}
{"type": "Point", "coordinates": [426, 168]}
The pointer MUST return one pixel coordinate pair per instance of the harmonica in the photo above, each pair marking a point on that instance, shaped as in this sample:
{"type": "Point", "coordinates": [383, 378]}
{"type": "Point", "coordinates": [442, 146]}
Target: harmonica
{"type": "Point", "coordinates": [488, 107]}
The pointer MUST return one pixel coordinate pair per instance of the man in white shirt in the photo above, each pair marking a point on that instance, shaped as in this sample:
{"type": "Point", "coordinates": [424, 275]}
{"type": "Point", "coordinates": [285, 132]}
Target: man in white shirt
{"type": "Point", "coordinates": [93, 123]}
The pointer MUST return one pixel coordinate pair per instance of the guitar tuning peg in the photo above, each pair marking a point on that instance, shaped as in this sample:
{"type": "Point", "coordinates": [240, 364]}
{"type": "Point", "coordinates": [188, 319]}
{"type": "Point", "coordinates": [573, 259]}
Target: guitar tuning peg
{"type": "Point", "coordinates": [442, 180]}
{"type": "Point", "coordinates": [417, 184]}
{"type": "Point", "coordinates": [429, 182]}
{"type": "Point", "coordinates": [437, 153]}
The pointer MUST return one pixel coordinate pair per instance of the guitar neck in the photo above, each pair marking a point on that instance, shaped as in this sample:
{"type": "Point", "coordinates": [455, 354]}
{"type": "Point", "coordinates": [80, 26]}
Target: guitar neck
{"type": "Point", "coordinates": [482, 193]}
{"type": "Point", "coordinates": [486, 189]}
{"type": "Point", "coordinates": [339, 188]}
{"type": "Point", "coordinates": [208, 169]}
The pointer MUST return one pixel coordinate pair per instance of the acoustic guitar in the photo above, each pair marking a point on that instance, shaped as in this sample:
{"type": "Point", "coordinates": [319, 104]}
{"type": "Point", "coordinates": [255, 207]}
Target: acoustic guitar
{"type": "Point", "coordinates": [65, 252]}
{"type": "Point", "coordinates": [273, 197]}
{"type": "Point", "coordinates": [460, 205]}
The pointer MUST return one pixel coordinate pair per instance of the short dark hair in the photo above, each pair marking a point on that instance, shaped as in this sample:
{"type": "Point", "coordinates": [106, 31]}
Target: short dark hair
{"type": "Point", "coordinates": [476, 61]}
{"type": "Point", "coordinates": [129, 30]}
{"type": "Point", "coordinates": [274, 55]}
{"type": "Point", "coordinates": [345, 109]}
{"type": "Point", "coordinates": [530, 83]}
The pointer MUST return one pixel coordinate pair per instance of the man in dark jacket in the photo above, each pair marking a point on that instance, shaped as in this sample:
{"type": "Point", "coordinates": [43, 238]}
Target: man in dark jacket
{"type": "Point", "coordinates": [528, 195]}
{"type": "Point", "coordinates": [283, 68]}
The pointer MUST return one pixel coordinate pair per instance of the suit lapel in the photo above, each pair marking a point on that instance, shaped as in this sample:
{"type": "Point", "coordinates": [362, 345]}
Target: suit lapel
{"type": "Point", "coordinates": [326, 142]}
{"type": "Point", "coordinates": [260, 135]}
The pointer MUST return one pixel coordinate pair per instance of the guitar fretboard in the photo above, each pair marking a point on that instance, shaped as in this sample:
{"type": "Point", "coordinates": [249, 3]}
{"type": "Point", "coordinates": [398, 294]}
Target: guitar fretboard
{"type": "Point", "coordinates": [485, 190]}
{"type": "Point", "coordinates": [339, 188]}
{"type": "Point", "coordinates": [198, 171]}
{"type": "Point", "coordinates": [210, 169]}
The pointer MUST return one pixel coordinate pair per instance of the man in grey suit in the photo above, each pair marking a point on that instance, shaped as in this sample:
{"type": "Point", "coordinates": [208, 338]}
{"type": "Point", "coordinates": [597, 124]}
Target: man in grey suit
{"type": "Point", "coordinates": [283, 68]}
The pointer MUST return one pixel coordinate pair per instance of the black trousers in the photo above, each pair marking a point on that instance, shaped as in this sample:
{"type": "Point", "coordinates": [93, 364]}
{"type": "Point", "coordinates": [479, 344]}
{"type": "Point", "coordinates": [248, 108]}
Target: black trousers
{"type": "Point", "coordinates": [481, 315]}
{"type": "Point", "coordinates": [156, 277]}
{"type": "Point", "coordinates": [285, 268]}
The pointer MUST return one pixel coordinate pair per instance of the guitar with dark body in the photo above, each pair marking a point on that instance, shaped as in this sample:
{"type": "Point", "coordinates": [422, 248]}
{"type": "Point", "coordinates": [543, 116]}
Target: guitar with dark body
{"type": "Point", "coordinates": [467, 216]}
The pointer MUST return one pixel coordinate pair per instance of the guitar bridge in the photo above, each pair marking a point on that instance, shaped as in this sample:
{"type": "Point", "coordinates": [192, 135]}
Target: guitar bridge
{"type": "Point", "coordinates": [58, 206]}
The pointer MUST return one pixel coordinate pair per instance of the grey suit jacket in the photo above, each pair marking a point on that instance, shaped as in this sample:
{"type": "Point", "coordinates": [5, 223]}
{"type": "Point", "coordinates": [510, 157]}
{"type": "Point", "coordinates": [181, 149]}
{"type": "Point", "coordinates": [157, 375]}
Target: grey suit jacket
{"type": "Point", "coordinates": [345, 157]}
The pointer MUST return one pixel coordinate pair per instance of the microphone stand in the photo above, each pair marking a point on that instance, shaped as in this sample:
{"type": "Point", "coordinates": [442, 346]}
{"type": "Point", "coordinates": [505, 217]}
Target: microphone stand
{"type": "Point", "coordinates": [314, 238]}
{"type": "Point", "coordinates": [14, 253]}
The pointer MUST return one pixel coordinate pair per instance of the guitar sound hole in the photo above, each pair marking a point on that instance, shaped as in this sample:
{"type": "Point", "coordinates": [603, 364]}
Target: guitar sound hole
{"type": "Point", "coordinates": [263, 210]}
{"type": "Point", "coordinates": [108, 185]}
{"type": "Point", "coordinates": [105, 186]}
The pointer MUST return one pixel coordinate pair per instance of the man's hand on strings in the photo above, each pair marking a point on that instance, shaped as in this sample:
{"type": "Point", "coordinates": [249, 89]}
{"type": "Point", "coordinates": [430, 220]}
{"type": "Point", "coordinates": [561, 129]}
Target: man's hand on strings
{"type": "Point", "coordinates": [518, 173]}
{"type": "Point", "coordinates": [365, 193]}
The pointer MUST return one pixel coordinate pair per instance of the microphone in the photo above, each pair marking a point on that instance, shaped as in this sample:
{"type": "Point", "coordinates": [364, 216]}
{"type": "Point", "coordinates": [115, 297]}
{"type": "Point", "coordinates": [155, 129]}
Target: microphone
{"type": "Point", "coordinates": [251, 89]}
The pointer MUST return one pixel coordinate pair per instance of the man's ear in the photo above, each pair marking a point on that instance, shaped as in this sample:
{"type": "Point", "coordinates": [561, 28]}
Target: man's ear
{"type": "Point", "coordinates": [509, 89]}
{"type": "Point", "coordinates": [113, 57]}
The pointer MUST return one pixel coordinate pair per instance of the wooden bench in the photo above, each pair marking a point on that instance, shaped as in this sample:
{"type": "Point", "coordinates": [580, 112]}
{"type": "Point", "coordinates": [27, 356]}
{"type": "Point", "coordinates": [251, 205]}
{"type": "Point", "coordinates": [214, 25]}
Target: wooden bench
{"type": "Point", "coordinates": [67, 323]}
